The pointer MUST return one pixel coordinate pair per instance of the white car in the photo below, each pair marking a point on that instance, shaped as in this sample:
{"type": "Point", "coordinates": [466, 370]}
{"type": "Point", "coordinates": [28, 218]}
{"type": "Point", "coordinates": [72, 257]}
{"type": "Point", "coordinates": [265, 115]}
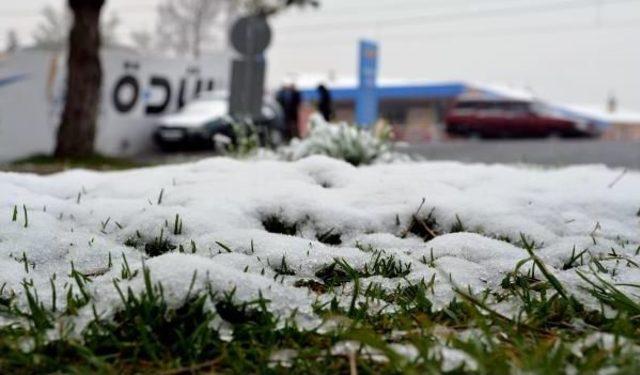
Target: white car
{"type": "Point", "coordinates": [200, 123]}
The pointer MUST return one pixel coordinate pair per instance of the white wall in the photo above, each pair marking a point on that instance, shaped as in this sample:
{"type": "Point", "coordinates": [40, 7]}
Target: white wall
{"type": "Point", "coordinates": [30, 107]}
{"type": "Point", "coordinates": [25, 122]}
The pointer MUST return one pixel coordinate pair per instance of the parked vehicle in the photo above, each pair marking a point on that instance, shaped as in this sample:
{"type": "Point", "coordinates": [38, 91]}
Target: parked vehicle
{"type": "Point", "coordinates": [513, 119]}
{"type": "Point", "coordinates": [206, 124]}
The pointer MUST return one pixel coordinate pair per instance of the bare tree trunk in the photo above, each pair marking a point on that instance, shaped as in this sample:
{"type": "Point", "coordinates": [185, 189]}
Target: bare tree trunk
{"type": "Point", "coordinates": [77, 128]}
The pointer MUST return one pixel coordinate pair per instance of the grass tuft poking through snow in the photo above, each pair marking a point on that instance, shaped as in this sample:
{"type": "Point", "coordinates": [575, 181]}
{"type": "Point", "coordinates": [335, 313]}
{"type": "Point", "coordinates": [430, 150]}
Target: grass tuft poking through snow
{"type": "Point", "coordinates": [256, 267]}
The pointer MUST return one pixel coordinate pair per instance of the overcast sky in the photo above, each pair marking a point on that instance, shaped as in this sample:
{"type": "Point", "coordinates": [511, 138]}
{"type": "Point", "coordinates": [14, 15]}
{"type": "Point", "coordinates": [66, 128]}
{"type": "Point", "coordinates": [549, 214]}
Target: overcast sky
{"type": "Point", "coordinates": [572, 51]}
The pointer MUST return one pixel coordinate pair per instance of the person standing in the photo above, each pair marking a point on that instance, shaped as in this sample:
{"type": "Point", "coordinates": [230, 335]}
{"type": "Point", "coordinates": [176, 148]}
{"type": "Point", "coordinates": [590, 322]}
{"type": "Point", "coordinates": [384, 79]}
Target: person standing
{"type": "Point", "coordinates": [289, 99]}
{"type": "Point", "coordinates": [325, 102]}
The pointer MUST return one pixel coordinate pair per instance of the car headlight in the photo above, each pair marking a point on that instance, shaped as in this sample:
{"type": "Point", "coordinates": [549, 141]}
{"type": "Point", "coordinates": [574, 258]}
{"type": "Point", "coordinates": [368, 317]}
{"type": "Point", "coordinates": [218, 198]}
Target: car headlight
{"type": "Point", "coordinates": [169, 134]}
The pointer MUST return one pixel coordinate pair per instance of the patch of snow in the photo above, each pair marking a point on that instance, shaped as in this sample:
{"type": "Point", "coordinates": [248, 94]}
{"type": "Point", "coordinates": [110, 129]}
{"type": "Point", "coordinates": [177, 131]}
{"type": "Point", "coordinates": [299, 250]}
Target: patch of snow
{"type": "Point", "coordinates": [454, 358]}
{"type": "Point", "coordinates": [602, 340]}
{"type": "Point", "coordinates": [86, 217]}
{"type": "Point", "coordinates": [283, 357]}
{"type": "Point", "coordinates": [351, 348]}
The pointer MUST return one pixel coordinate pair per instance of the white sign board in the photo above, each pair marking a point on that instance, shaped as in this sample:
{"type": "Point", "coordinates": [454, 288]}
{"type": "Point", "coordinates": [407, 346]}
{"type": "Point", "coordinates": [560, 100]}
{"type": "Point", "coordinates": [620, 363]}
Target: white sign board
{"type": "Point", "coordinates": [136, 90]}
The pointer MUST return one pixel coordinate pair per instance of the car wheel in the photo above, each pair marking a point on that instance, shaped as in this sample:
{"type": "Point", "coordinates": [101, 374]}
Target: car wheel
{"type": "Point", "coordinates": [475, 136]}
{"type": "Point", "coordinates": [167, 147]}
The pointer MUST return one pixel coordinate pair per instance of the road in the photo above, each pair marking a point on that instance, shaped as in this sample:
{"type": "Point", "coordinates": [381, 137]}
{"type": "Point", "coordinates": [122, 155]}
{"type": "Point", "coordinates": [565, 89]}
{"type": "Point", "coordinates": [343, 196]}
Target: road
{"type": "Point", "coordinates": [544, 152]}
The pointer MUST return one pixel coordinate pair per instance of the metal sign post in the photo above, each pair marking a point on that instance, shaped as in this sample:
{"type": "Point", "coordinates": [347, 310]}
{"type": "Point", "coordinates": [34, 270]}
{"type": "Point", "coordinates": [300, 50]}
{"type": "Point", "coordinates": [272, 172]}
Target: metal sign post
{"type": "Point", "coordinates": [250, 36]}
{"type": "Point", "coordinates": [367, 100]}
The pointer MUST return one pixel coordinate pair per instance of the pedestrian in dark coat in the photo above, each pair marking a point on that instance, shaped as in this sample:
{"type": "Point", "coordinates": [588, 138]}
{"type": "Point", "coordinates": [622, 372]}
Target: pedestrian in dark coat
{"type": "Point", "coordinates": [289, 99]}
{"type": "Point", "coordinates": [325, 103]}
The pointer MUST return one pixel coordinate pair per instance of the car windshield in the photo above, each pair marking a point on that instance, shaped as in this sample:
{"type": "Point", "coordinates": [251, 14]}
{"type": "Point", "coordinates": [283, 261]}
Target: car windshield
{"type": "Point", "coordinates": [545, 110]}
{"type": "Point", "coordinates": [486, 106]}
{"type": "Point", "coordinates": [209, 106]}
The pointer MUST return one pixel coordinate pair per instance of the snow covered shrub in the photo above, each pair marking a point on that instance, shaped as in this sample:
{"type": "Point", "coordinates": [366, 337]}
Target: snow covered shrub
{"type": "Point", "coordinates": [341, 141]}
{"type": "Point", "coordinates": [247, 141]}
{"type": "Point", "coordinates": [244, 143]}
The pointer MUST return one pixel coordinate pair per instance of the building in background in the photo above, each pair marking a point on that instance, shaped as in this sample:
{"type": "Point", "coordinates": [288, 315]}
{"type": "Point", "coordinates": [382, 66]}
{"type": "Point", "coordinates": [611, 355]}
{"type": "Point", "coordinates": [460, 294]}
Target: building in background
{"type": "Point", "coordinates": [417, 109]}
{"type": "Point", "coordinates": [622, 125]}
{"type": "Point", "coordinates": [624, 128]}
{"type": "Point", "coordinates": [414, 110]}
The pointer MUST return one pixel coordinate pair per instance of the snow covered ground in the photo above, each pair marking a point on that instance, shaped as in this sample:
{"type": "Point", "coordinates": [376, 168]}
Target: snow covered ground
{"type": "Point", "coordinates": [225, 220]}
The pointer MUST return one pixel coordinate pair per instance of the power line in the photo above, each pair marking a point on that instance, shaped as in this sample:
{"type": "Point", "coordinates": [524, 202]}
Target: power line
{"type": "Point", "coordinates": [450, 17]}
{"type": "Point", "coordinates": [482, 33]}
{"type": "Point", "coordinates": [395, 5]}
{"type": "Point", "coordinates": [348, 9]}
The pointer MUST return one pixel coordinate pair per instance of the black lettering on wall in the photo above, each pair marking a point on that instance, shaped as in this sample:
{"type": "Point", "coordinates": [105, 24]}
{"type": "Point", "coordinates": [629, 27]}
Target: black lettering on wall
{"type": "Point", "coordinates": [211, 85]}
{"type": "Point", "coordinates": [131, 65]}
{"type": "Point", "coordinates": [164, 85]}
{"type": "Point", "coordinates": [125, 105]}
{"type": "Point", "coordinates": [198, 89]}
{"type": "Point", "coordinates": [181, 93]}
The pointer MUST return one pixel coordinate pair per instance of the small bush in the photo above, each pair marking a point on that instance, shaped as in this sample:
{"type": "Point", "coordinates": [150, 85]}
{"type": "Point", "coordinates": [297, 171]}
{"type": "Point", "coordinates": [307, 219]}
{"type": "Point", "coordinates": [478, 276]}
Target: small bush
{"type": "Point", "coordinates": [341, 141]}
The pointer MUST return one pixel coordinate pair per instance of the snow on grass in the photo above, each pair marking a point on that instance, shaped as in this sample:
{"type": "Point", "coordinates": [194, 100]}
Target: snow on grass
{"type": "Point", "coordinates": [345, 142]}
{"type": "Point", "coordinates": [276, 229]}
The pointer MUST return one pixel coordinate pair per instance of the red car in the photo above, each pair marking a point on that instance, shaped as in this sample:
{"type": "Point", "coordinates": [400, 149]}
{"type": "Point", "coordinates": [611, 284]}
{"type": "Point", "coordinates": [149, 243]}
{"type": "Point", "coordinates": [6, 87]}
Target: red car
{"type": "Point", "coordinates": [512, 119]}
